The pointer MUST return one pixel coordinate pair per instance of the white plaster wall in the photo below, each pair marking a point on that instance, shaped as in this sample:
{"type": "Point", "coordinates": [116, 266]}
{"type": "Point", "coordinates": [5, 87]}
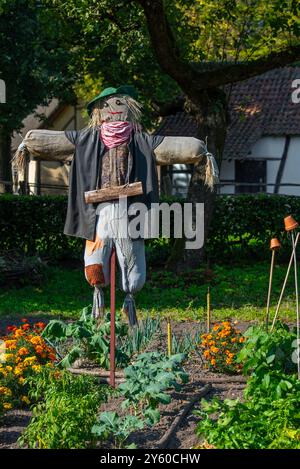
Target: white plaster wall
{"type": "Point", "coordinates": [291, 172]}
{"type": "Point", "coordinates": [270, 147]}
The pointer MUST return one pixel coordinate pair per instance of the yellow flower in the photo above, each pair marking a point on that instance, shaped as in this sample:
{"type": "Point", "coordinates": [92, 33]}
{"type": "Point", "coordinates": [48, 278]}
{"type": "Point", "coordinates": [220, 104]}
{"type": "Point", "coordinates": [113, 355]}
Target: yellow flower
{"type": "Point", "coordinates": [21, 381]}
{"type": "Point", "coordinates": [214, 349]}
{"type": "Point", "coordinates": [9, 368]}
{"type": "Point", "coordinates": [36, 340]}
{"type": "Point", "coordinates": [29, 360]}
{"type": "Point", "coordinates": [18, 370]}
{"type": "Point", "coordinates": [5, 391]}
{"type": "Point", "coordinates": [25, 399]}
{"type": "Point", "coordinates": [37, 368]}
{"type": "Point", "coordinates": [7, 405]}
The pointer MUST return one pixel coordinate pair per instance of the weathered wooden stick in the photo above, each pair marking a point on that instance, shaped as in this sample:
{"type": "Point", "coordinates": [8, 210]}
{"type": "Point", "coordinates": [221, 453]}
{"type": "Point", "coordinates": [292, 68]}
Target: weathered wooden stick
{"type": "Point", "coordinates": [112, 193]}
{"type": "Point", "coordinates": [297, 301]}
{"type": "Point", "coordinates": [165, 440]}
{"type": "Point", "coordinates": [169, 337]}
{"type": "Point", "coordinates": [95, 372]}
{"type": "Point", "coordinates": [208, 311]}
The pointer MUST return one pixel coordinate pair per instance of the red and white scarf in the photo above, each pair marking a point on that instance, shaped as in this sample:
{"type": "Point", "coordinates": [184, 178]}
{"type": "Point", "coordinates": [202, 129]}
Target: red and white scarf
{"type": "Point", "coordinates": [114, 134]}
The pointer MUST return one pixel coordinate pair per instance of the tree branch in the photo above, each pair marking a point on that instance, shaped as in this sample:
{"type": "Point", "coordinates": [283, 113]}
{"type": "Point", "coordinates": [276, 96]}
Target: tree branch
{"type": "Point", "coordinates": [191, 80]}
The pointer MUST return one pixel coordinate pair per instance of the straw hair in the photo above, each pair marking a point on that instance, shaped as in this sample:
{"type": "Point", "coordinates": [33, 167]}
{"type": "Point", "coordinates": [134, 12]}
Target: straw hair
{"type": "Point", "coordinates": [19, 159]}
{"type": "Point", "coordinates": [211, 178]}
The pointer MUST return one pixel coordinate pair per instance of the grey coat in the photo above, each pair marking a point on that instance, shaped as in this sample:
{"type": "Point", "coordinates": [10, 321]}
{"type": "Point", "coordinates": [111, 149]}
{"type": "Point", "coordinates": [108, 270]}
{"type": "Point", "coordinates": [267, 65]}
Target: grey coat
{"type": "Point", "coordinates": [86, 164]}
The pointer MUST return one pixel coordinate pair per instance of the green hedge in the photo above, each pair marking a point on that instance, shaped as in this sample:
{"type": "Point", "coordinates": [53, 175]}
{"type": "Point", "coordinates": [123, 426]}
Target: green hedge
{"type": "Point", "coordinates": [34, 225]}
{"type": "Point", "coordinates": [241, 226]}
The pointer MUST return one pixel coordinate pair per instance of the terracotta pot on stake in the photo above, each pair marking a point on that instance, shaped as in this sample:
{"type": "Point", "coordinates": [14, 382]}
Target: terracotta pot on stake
{"type": "Point", "coordinates": [274, 245]}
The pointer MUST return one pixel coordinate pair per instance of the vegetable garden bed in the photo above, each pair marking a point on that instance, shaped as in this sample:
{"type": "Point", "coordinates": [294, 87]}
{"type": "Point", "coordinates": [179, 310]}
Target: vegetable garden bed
{"type": "Point", "coordinates": [173, 400]}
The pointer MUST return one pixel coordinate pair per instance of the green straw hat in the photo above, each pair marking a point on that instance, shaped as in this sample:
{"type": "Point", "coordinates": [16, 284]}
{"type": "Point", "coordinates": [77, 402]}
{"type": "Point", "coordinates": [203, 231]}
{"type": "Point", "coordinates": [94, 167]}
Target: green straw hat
{"type": "Point", "coordinates": [128, 90]}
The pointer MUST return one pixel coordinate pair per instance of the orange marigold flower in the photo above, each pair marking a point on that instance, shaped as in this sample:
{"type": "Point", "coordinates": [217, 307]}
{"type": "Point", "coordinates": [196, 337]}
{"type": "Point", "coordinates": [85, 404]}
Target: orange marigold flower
{"type": "Point", "coordinates": [19, 333]}
{"type": "Point", "coordinates": [213, 361]}
{"type": "Point", "coordinates": [234, 339]}
{"type": "Point", "coordinates": [241, 340]}
{"type": "Point", "coordinates": [23, 351]}
{"type": "Point", "coordinates": [40, 325]}
{"type": "Point", "coordinates": [25, 327]}
{"type": "Point", "coordinates": [39, 349]}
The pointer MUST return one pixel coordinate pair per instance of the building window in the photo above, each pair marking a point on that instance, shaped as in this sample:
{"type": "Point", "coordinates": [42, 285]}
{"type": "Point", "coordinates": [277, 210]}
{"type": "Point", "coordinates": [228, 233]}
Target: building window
{"type": "Point", "coordinates": [250, 176]}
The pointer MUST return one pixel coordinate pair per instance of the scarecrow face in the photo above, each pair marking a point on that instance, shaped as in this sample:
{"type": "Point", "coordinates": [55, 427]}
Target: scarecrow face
{"type": "Point", "coordinates": [115, 108]}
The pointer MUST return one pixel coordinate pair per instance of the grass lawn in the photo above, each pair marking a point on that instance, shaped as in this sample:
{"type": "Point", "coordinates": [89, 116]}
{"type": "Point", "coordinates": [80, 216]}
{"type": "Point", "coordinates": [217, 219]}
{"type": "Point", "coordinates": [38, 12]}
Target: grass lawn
{"type": "Point", "coordinates": [236, 292]}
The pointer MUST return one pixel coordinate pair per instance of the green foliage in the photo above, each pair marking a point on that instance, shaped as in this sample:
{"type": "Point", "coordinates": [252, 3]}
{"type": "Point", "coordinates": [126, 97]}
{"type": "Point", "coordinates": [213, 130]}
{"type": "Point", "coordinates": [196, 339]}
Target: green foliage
{"type": "Point", "coordinates": [109, 423]}
{"type": "Point", "coordinates": [93, 342]}
{"type": "Point", "coordinates": [237, 231]}
{"type": "Point", "coordinates": [147, 381]}
{"type": "Point", "coordinates": [88, 340]}
{"type": "Point", "coordinates": [269, 417]}
{"type": "Point", "coordinates": [242, 226]}
{"type": "Point", "coordinates": [65, 416]}
{"type": "Point", "coordinates": [237, 292]}
{"type": "Point", "coordinates": [264, 423]}
{"type": "Point", "coordinates": [35, 59]}
{"type": "Point", "coordinates": [35, 224]}
{"type": "Point", "coordinates": [265, 352]}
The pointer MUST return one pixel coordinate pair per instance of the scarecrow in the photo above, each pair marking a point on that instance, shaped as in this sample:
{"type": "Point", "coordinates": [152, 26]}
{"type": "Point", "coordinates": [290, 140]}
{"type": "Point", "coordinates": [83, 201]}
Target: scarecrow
{"type": "Point", "coordinates": [112, 155]}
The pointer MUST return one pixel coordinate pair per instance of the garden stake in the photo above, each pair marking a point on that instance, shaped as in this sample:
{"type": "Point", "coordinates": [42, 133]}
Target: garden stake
{"type": "Point", "coordinates": [297, 302]}
{"type": "Point", "coordinates": [112, 316]}
{"type": "Point", "coordinates": [169, 337]}
{"type": "Point", "coordinates": [208, 310]}
{"type": "Point", "coordinates": [274, 245]}
{"type": "Point", "coordinates": [284, 283]}
{"type": "Point", "coordinates": [291, 225]}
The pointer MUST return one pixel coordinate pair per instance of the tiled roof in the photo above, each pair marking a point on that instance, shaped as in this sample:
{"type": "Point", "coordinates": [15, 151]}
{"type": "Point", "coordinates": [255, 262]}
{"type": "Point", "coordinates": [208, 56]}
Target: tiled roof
{"type": "Point", "coordinates": [258, 106]}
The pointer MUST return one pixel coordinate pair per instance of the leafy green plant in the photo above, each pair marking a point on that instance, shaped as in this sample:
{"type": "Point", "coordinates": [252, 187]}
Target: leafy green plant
{"type": "Point", "coordinates": [93, 342]}
{"type": "Point", "coordinates": [147, 381]}
{"type": "Point", "coordinates": [257, 423]}
{"type": "Point", "coordinates": [65, 416]}
{"type": "Point", "coordinates": [109, 423]}
{"type": "Point", "coordinates": [270, 415]}
{"type": "Point", "coordinates": [88, 340]}
{"type": "Point", "coordinates": [264, 351]}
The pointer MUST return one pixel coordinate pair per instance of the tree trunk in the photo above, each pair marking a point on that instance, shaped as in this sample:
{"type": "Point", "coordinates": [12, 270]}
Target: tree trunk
{"type": "Point", "coordinates": [211, 115]}
{"type": "Point", "coordinates": [5, 164]}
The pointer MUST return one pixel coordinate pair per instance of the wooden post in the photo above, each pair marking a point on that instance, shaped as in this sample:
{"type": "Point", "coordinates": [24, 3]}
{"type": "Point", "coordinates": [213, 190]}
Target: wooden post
{"type": "Point", "coordinates": [297, 302]}
{"type": "Point", "coordinates": [208, 310]}
{"type": "Point", "coordinates": [113, 317]}
{"type": "Point", "coordinates": [169, 337]}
